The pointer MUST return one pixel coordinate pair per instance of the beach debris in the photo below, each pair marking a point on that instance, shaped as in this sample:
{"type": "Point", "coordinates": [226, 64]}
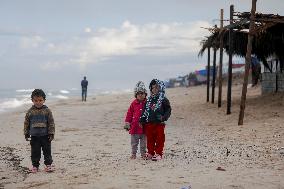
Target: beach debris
{"type": "Point", "coordinates": [9, 156]}
{"type": "Point", "coordinates": [186, 187]}
{"type": "Point", "coordinates": [281, 150]}
{"type": "Point", "coordinates": [179, 117]}
{"type": "Point", "coordinates": [220, 169]}
{"type": "Point", "coordinates": [227, 152]}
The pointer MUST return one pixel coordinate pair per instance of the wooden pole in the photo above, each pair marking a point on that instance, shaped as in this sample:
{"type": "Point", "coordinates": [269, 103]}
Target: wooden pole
{"type": "Point", "coordinates": [208, 75]}
{"type": "Point", "coordinates": [248, 62]}
{"type": "Point", "coordinates": [276, 72]}
{"type": "Point", "coordinates": [213, 76]}
{"type": "Point", "coordinates": [230, 62]}
{"type": "Point", "coordinates": [281, 65]}
{"type": "Point", "coordinates": [221, 61]}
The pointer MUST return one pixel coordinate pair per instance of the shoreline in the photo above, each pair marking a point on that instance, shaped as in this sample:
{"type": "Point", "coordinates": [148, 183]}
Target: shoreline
{"type": "Point", "coordinates": [14, 102]}
{"type": "Point", "coordinates": [91, 149]}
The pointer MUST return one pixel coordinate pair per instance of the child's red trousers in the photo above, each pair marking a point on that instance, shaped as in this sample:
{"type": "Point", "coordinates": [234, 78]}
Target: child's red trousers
{"type": "Point", "coordinates": [155, 138]}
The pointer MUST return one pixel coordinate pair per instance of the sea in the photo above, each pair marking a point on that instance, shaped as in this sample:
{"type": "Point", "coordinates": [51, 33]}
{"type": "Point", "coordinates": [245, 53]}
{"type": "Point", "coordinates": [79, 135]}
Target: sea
{"type": "Point", "coordinates": [10, 99]}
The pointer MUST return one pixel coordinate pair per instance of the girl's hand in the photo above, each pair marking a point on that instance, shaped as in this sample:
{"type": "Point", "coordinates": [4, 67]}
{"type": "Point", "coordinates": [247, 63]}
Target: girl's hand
{"type": "Point", "coordinates": [127, 126]}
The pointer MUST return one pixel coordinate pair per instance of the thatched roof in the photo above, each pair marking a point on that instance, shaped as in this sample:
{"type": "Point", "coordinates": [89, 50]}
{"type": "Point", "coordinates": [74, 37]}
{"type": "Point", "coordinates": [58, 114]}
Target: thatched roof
{"type": "Point", "coordinates": [268, 37]}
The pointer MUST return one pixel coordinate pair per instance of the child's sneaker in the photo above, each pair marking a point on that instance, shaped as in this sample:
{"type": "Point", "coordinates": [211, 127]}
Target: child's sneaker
{"type": "Point", "coordinates": [133, 156]}
{"type": "Point", "coordinates": [148, 156]}
{"type": "Point", "coordinates": [156, 157]}
{"type": "Point", "coordinates": [143, 156]}
{"type": "Point", "coordinates": [49, 168]}
{"type": "Point", "coordinates": [33, 170]}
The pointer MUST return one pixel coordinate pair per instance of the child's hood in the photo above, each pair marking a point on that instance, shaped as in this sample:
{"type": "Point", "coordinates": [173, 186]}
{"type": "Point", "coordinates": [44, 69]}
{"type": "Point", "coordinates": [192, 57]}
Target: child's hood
{"type": "Point", "coordinates": [43, 107]}
{"type": "Point", "coordinates": [161, 84]}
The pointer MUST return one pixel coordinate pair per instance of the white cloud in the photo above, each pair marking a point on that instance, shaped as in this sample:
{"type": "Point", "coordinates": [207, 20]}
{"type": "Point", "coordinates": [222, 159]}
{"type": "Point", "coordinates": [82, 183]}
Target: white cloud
{"type": "Point", "coordinates": [154, 39]}
{"type": "Point", "coordinates": [88, 30]}
{"type": "Point", "coordinates": [56, 65]}
{"type": "Point", "coordinates": [50, 46]}
{"type": "Point", "coordinates": [31, 42]}
{"type": "Point", "coordinates": [170, 39]}
{"type": "Point", "coordinates": [51, 65]}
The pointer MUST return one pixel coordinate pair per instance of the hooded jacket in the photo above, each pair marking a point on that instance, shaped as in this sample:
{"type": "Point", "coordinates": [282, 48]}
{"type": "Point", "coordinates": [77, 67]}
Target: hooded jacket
{"type": "Point", "coordinates": [157, 108]}
{"type": "Point", "coordinates": [133, 115]}
{"type": "Point", "coordinates": [160, 115]}
{"type": "Point", "coordinates": [39, 122]}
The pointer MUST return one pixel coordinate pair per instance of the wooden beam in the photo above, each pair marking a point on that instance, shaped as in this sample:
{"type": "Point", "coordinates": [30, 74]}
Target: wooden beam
{"type": "Point", "coordinates": [208, 74]}
{"type": "Point", "coordinates": [220, 61]}
{"type": "Point", "coordinates": [248, 62]}
{"type": "Point", "coordinates": [269, 20]}
{"type": "Point", "coordinates": [213, 76]}
{"type": "Point", "coordinates": [229, 90]}
{"type": "Point", "coordinates": [276, 72]}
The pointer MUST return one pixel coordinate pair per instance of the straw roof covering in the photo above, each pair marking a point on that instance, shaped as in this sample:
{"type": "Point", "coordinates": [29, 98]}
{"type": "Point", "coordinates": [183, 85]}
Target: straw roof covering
{"type": "Point", "coordinates": [268, 38]}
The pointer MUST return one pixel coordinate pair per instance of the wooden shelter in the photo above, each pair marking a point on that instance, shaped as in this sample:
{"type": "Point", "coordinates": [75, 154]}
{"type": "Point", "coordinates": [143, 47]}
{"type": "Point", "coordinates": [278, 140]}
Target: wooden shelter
{"type": "Point", "coordinates": [249, 33]}
{"type": "Point", "coordinates": [268, 37]}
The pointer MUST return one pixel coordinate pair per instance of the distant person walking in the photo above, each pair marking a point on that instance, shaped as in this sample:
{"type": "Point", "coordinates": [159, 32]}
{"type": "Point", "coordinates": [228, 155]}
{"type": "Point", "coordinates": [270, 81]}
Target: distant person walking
{"type": "Point", "coordinates": [84, 85]}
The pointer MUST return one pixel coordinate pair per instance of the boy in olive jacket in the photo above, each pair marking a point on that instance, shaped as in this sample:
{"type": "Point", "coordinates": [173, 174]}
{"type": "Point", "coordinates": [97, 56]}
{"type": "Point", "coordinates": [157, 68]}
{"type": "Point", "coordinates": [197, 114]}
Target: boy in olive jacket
{"type": "Point", "coordinates": [39, 126]}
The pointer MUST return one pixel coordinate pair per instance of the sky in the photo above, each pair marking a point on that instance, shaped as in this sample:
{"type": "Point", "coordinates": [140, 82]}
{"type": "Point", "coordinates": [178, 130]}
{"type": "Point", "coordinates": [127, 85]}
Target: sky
{"type": "Point", "coordinates": [53, 44]}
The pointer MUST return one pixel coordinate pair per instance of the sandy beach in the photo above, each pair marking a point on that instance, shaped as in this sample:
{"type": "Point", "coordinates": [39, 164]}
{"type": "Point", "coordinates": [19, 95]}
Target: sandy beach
{"type": "Point", "coordinates": [91, 149]}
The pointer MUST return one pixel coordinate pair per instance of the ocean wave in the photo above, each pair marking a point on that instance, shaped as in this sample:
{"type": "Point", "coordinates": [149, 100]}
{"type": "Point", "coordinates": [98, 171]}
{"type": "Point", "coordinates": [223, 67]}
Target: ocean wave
{"type": "Point", "coordinates": [24, 96]}
{"type": "Point", "coordinates": [11, 99]}
{"type": "Point", "coordinates": [127, 90]}
{"type": "Point", "coordinates": [13, 103]}
{"type": "Point", "coordinates": [115, 92]}
{"type": "Point", "coordinates": [24, 90]}
{"type": "Point", "coordinates": [61, 97]}
{"type": "Point", "coordinates": [64, 92]}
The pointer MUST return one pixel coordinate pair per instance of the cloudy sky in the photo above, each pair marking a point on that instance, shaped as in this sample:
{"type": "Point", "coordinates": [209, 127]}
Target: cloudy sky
{"type": "Point", "coordinates": [115, 43]}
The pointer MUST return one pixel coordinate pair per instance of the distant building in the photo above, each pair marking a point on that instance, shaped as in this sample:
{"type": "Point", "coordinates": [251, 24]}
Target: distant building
{"type": "Point", "coordinates": [180, 81]}
{"type": "Point", "coordinates": [272, 77]}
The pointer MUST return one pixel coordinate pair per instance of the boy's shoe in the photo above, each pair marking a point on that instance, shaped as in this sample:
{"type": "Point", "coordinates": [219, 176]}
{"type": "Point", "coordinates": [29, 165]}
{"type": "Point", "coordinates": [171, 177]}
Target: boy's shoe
{"type": "Point", "coordinates": [148, 156]}
{"type": "Point", "coordinates": [49, 168]}
{"type": "Point", "coordinates": [143, 156]}
{"type": "Point", "coordinates": [156, 157]}
{"type": "Point", "coordinates": [133, 156]}
{"type": "Point", "coordinates": [33, 170]}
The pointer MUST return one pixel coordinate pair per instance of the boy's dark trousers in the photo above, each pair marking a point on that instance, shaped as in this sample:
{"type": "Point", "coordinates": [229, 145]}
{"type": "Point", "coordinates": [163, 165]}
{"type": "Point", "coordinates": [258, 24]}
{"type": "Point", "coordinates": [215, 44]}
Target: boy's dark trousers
{"type": "Point", "coordinates": [38, 143]}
